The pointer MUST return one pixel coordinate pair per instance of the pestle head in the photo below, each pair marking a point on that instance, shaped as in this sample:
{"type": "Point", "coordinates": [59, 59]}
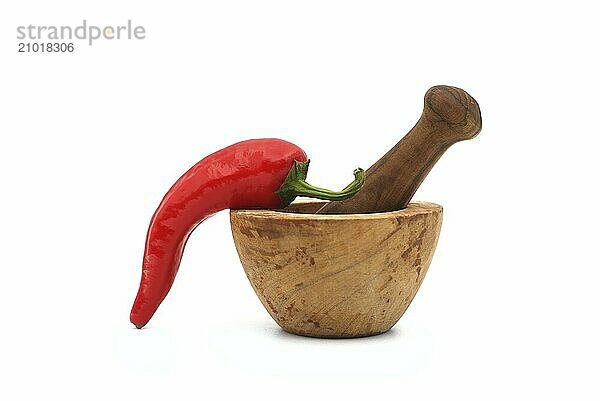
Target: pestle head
{"type": "Point", "coordinates": [455, 109]}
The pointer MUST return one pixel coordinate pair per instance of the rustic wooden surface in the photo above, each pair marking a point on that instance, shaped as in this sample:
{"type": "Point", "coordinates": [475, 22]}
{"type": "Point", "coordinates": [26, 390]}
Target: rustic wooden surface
{"type": "Point", "coordinates": [449, 115]}
{"type": "Point", "coordinates": [336, 276]}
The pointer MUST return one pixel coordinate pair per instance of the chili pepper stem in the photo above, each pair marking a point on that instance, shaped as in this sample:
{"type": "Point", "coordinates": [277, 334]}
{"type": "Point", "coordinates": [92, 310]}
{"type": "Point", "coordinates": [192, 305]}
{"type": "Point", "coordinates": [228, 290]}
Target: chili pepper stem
{"type": "Point", "coordinates": [295, 185]}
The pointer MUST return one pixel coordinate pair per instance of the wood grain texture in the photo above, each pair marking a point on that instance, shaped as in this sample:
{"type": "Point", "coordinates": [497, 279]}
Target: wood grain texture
{"type": "Point", "coordinates": [336, 276]}
{"type": "Point", "coordinates": [449, 115]}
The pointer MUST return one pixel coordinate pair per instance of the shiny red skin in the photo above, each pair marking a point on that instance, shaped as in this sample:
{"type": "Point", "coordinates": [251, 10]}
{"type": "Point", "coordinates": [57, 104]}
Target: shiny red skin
{"type": "Point", "coordinates": [243, 175]}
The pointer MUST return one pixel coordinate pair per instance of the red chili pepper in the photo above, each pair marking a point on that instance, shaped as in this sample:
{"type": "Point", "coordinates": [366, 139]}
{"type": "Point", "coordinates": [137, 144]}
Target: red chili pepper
{"type": "Point", "coordinates": [258, 173]}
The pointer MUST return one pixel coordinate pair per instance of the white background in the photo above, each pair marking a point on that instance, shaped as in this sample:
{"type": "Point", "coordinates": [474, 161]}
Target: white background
{"type": "Point", "coordinates": [91, 140]}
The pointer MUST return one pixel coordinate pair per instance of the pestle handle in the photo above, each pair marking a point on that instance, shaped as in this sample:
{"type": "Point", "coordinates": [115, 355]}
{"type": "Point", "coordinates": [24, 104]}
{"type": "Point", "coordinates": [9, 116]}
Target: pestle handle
{"type": "Point", "coordinates": [449, 115]}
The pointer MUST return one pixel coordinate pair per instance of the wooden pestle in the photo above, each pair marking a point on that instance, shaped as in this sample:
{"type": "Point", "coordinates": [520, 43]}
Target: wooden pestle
{"type": "Point", "coordinates": [450, 115]}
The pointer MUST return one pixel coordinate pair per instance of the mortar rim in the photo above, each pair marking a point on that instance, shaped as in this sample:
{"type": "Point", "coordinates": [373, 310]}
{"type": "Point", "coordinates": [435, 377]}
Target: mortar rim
{"type": "Point", "coordinates": [413, 209]}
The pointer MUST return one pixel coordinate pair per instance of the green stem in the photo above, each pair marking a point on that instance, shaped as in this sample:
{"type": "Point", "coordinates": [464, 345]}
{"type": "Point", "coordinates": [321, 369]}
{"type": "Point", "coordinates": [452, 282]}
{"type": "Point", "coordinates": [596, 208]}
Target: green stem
{"type": "Point", "coordinates": [295, 185]}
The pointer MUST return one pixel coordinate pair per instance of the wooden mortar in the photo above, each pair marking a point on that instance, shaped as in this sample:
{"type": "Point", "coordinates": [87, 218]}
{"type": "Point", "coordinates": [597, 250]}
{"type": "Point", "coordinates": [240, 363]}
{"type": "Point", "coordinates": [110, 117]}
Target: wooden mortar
{"type": "Point", "coordinates": [336, 276]}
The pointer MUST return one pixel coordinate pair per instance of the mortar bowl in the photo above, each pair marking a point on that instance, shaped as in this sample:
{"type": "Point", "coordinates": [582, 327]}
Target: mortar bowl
{"type": "Point", "coordinates": [336, 275]}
